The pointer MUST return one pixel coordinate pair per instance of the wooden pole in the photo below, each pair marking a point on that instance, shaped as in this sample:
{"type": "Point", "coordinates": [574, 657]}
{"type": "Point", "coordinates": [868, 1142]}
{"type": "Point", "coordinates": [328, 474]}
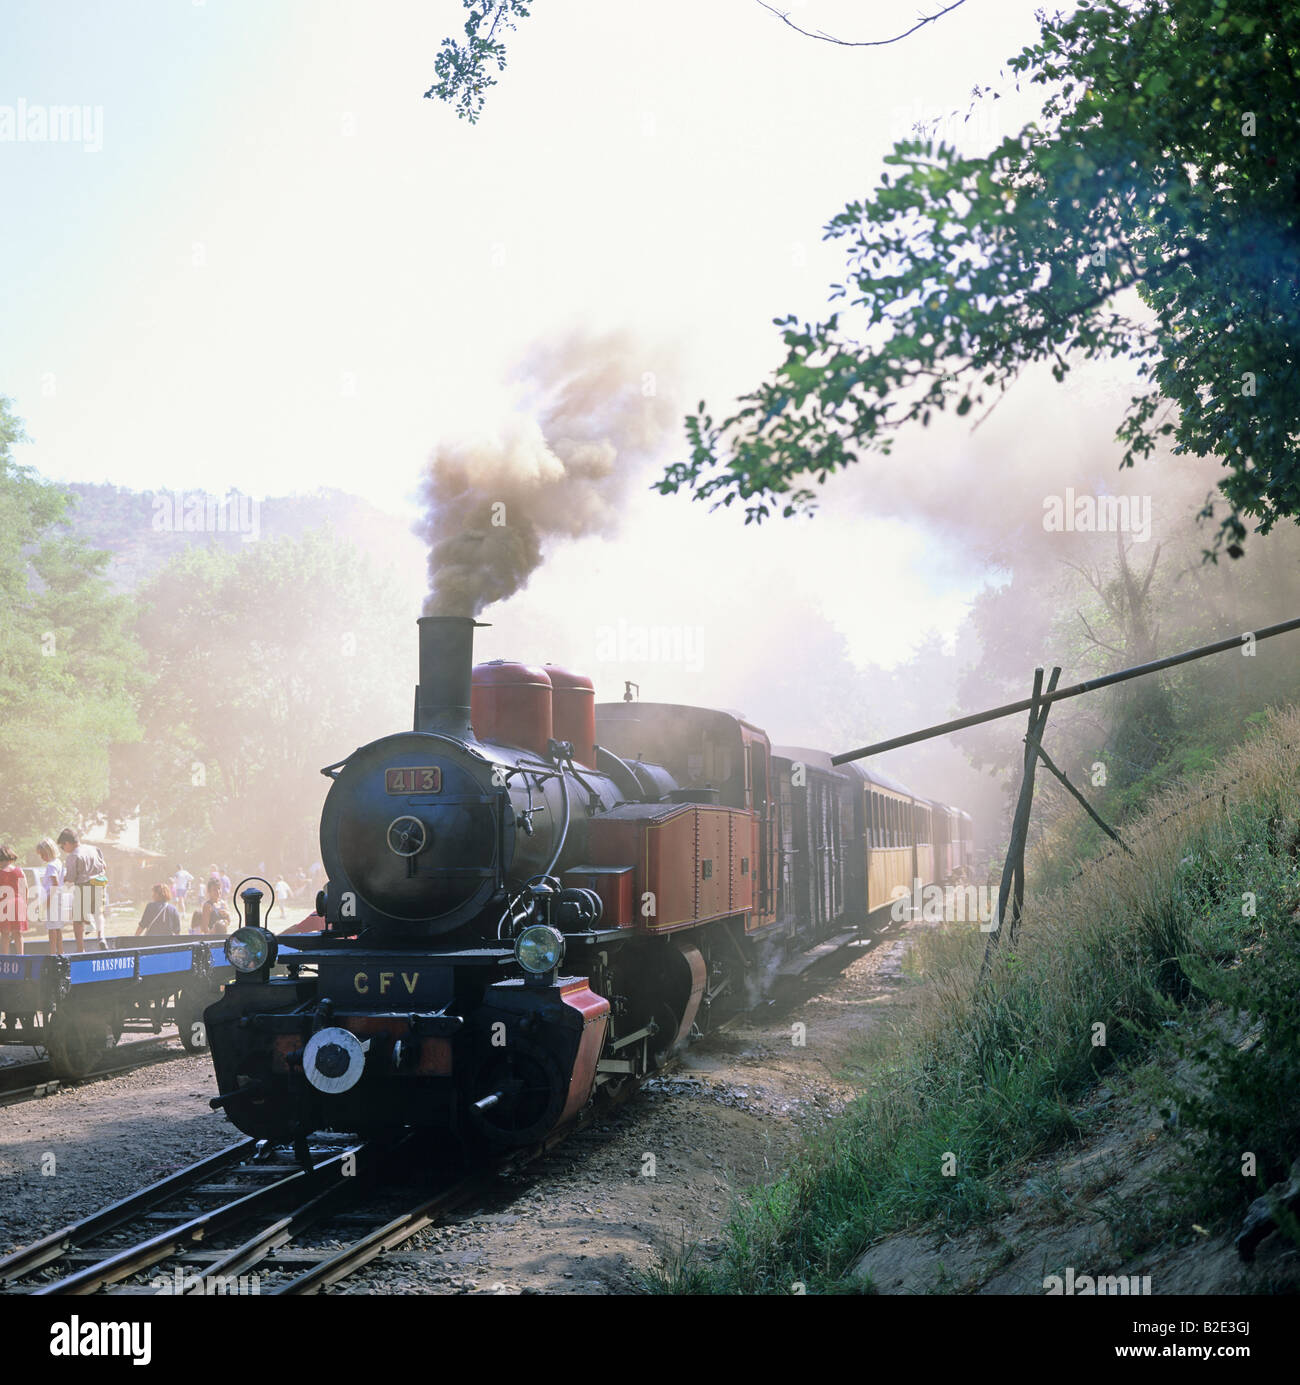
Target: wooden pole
{"type": "Point", "coordinates": [1084, 804]}
{"type": "Point", "coordinates": [1032, 746]}
{"type": "Point", "coordinates": [1012, 888]}
{"type": "Point", "coordinates": [1250, 637]}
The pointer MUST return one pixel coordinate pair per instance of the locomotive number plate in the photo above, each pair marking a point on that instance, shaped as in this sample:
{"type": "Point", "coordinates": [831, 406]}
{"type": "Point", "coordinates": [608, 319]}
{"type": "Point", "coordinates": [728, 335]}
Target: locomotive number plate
{"type": "Point", "coordinates": [422, 779]}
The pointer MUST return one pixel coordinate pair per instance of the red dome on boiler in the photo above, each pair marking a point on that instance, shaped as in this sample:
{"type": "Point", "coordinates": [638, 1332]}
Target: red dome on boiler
{"type": "Point", "coordinates": [573, 712]}
{"type": "Point", "coordinates": [510, 704]}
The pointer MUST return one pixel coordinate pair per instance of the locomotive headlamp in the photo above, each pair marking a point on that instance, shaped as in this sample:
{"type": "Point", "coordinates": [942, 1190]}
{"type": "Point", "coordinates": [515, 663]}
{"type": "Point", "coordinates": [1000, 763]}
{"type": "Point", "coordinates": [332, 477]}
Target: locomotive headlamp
{"type": "Point", "coordinates": [539, 949]}
{"type": "Point", "coordinates": [250, 949]}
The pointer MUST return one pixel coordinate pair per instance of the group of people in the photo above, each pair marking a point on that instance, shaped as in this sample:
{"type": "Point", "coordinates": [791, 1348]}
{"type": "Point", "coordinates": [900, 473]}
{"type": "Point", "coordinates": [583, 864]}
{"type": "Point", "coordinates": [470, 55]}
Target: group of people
{"type": "Point", "coordinates": [72, 888]}
{"type": "Point", "coordinates": [162, 915]}
{"type": "Point", "coordinates": [72, 891]}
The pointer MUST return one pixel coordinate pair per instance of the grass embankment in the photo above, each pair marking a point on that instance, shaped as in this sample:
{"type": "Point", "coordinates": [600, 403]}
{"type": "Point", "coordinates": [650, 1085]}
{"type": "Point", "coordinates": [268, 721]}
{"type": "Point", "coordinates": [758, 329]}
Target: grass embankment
{"type": "Point", "coordinates": [1181, 968]}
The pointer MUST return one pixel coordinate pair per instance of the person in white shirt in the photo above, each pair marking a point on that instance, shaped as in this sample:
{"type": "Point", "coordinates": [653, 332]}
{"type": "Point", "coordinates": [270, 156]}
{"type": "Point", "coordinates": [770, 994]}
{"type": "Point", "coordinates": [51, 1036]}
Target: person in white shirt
{"type": "Point", "coordinates": [83, 867]}
{"type": "Point", "coordinates": [181, 886]}
{"type": "Point", "coordinates": [51, 877]}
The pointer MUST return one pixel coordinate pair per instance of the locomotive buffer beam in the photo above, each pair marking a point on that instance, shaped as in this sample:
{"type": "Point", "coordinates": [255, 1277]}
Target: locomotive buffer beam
{"type": "Point", "coordinates": [431, 1024]}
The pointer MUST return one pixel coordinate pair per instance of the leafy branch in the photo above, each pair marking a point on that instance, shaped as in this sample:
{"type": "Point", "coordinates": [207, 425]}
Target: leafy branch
{"type": "Point", "coordinates": [464, 70]}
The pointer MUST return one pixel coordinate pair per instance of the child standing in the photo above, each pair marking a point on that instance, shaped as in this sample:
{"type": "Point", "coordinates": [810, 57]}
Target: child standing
{"type": "Point", "coordinates": [13, 901]}
{"type": "Point", "coordinates": [51, 880]}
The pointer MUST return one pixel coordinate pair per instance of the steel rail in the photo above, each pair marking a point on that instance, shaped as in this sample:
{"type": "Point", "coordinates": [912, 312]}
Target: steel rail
{"type": "Point", "coordinates": [362, 1251]}
{"type": "Point", "coordinates": [144, 1254]}
{"type": "Point", "coordinates": [279, 1233]}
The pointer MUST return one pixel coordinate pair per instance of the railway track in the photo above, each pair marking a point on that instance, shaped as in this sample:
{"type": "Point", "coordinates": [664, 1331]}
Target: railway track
{"type": "Point", "coordinates": [252, 1219]}
{"type": "Point", "coordinates": [212, 1222]}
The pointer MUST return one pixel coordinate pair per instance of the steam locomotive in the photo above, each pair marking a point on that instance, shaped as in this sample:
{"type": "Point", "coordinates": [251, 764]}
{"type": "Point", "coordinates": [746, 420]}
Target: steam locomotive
{"type": "Point", "coordinates": [530, 897]}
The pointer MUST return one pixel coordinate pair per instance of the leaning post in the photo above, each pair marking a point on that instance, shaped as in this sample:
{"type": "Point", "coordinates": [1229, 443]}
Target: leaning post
{"type": "Point", "coordinates": [1012, 888]}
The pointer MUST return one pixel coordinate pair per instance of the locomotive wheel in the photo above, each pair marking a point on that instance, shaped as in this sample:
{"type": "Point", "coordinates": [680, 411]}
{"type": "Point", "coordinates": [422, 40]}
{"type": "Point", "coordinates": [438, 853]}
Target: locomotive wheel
{"type": "Point", "coordinates": [76, 1043]}
{"type": "Point", "coordinates": [531, 1089]}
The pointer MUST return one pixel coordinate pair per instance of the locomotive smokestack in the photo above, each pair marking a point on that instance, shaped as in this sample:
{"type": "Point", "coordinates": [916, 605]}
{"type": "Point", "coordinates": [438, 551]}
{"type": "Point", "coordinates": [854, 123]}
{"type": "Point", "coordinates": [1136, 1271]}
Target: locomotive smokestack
{"type": "Point", "coordinates": [446, 664]}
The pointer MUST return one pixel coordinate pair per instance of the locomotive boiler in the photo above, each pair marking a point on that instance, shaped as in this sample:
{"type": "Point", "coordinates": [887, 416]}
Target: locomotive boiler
{"type": "Point", "coordinates": [517, 914]}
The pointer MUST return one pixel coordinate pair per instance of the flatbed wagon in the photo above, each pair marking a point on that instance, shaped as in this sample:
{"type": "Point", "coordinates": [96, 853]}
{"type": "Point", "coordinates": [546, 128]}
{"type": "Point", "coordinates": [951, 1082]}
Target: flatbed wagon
{"type": "Point", "coordinates": [77, 1006]}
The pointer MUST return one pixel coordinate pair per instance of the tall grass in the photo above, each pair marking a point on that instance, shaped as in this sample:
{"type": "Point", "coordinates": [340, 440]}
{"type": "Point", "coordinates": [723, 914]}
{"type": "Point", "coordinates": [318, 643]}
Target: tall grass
{"type": "Point", "coordinates": [979, 1079]}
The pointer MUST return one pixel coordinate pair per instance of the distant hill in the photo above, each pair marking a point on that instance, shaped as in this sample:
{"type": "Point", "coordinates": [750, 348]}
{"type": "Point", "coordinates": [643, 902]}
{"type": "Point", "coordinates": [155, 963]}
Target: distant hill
{"type": "Point", "coordinates": [143, 530]}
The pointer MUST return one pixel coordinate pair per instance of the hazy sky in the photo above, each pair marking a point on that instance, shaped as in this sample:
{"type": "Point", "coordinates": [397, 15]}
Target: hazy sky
{"type": "Point", "coordinates": [282, 268]}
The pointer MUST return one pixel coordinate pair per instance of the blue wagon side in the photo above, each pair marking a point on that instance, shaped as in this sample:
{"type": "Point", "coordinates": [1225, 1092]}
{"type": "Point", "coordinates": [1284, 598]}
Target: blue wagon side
{"type": "Point", "coordinates": [77, 1006]}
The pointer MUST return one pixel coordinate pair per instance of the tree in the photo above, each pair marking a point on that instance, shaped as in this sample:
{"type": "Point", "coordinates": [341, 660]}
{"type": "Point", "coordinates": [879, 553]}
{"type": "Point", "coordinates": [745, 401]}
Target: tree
{"type": "Point", "coordinates": [69, 669]}
{"type": "Point", "coordinates": [267, 663]}
{"type": "Point", "coordinates": [1154, 213]}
